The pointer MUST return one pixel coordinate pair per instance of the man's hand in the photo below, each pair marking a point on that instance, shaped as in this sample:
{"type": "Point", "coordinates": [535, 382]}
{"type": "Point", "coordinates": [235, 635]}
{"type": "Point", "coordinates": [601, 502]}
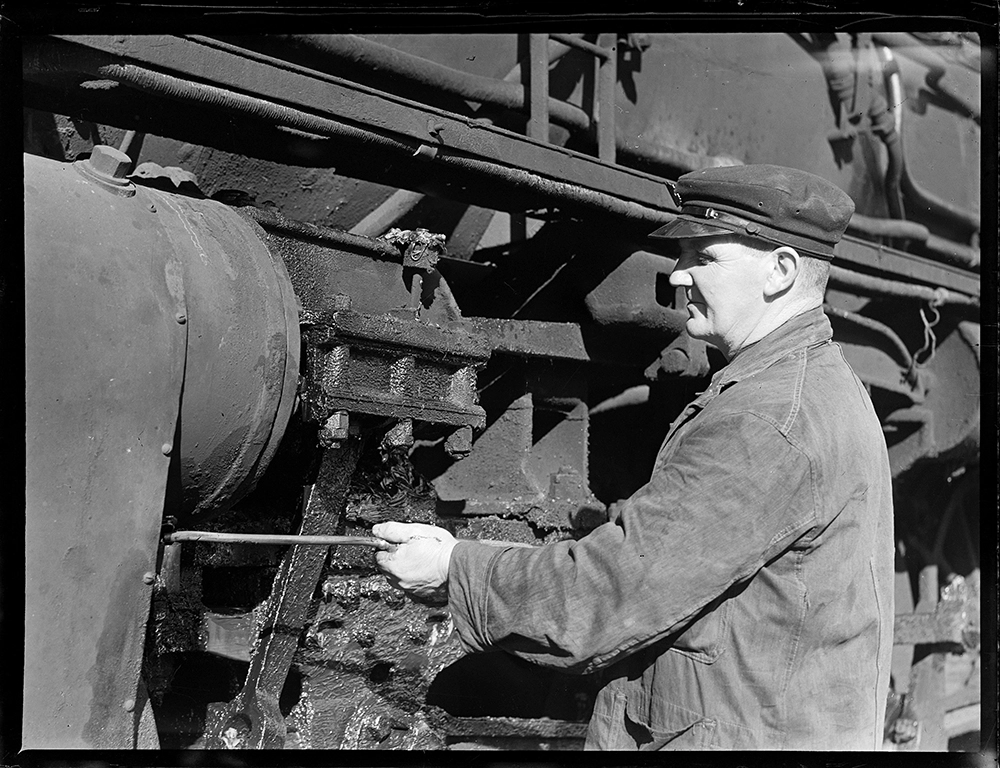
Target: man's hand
{"type": "Point", "coordinates": [419, 563]}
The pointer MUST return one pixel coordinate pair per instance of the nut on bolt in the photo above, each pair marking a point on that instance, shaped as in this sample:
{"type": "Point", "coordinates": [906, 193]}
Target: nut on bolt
{"type": "Point", "coordinates": [335, 429]}
{"type": "Point", "coordinates": [111, 163]}
{"type": "Point", "coordinates": [458, 445]}
{"type": "Point", "coordinates": [399, 435]}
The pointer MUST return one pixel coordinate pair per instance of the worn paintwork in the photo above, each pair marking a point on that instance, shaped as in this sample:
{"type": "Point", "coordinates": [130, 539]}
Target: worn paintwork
{"type": "Point", "coordinates": [104, 362]}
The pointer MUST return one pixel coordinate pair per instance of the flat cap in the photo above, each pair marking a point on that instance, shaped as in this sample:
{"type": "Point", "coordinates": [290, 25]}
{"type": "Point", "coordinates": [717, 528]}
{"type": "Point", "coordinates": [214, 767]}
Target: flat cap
{"type": "Point", "coordinates": [779, 205]}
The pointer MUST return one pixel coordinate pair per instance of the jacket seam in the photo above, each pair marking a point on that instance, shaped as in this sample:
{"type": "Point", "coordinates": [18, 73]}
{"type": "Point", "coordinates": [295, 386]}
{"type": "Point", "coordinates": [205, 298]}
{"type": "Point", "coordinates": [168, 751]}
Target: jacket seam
{"type": "Point", "coordinates": [795, 642]}
{"type": "Point", "coordinates": [490, 568]}
{"type": "Point", "coordinates": [797, 394]}
{"type": "Point", "coordinates": [879, 608]}
{"type": "Point", "coordinates": [812, 476]}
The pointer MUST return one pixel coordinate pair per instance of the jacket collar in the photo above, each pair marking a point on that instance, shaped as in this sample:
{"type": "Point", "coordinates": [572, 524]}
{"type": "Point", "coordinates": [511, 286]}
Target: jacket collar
{"type": "Point", "coordinates": [808, 329]}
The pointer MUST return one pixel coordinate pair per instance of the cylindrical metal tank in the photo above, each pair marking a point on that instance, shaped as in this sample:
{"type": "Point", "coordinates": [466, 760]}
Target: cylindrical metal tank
{"type": "Point", "coordinates": [158, 329]}
{"type": "Point", "coordinates": [234, 299]}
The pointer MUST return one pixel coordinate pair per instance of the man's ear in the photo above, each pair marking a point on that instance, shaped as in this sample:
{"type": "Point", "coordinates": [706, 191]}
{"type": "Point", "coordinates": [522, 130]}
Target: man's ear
{"type": "Point", "coordinates": [785, 265]}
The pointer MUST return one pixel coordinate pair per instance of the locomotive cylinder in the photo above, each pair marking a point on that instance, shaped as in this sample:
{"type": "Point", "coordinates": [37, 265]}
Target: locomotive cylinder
{"type": "Point", "coordinates": [235, 300]}
{"type": "Point", "coordinates": [159, 334]}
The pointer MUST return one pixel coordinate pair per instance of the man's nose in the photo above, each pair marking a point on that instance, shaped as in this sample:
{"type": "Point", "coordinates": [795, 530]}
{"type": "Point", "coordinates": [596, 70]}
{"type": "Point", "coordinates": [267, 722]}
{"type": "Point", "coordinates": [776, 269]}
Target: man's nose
{"type": "Point", "coordinates": [680, 278]}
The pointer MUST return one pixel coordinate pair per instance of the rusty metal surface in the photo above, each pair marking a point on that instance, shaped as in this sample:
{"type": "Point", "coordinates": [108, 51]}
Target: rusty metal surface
{"type": "Point", "coordinates": [253, 720]}
{"type": "Point", "coordinates": [389, 366]}
{"type": "Point", "coordinates": [104, 358]}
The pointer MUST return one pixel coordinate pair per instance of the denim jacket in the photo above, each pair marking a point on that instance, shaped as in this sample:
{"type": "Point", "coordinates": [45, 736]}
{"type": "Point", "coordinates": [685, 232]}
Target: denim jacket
{"type": "Point", "coordinates": [742, 598]}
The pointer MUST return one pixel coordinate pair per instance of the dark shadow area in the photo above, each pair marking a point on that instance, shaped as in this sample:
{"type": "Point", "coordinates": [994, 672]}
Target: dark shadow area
{"type": "Point", "coordinates": [198, 681]}
{"type": "Point", "coordinates": [500, 685]}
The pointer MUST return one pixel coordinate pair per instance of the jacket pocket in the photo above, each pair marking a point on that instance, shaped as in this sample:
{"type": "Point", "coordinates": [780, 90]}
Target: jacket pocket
{"type": "Point", "coordinates": [674, 727]}
{"type": "Point", "coordinates": [705, 639]}
{"type": "Point", "coordinates": [607, 723]}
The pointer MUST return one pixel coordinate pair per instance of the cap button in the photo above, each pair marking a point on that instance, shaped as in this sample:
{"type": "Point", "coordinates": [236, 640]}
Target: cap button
{"type": "Point", "coordinates": [109, 162]}
{"type": "Point", "coordinates": [752, 228]}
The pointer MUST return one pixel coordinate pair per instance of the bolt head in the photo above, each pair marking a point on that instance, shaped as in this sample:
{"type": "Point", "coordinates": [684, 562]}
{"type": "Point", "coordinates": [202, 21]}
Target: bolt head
{"type": "Point", "coordinates": [109, 162]}
{"type": "Point", "coordinates": [458, 444]}
{"type": "Point", "coordinates": [128, 705]}
{"type": "Point", "coordinates": [148, 577]}
{"type": "Point", "coordinates": [167, 449]}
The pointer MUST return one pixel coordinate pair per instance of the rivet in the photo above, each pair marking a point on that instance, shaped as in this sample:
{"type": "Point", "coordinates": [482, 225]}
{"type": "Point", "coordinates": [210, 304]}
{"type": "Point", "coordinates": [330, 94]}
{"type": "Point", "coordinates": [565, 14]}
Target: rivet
{"type": "Point", "coordinates": [148, 577]}
{"type": "Point", "coordinates": [128, 705]}
{"type": "Point", "coordinates": [166, 448]}
{"type": "Point", "coordinates": [181, 318]}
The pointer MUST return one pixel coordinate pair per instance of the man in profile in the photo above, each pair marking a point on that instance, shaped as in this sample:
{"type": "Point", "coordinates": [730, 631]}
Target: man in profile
{"type": "Point", "coordinates": [743, 597]}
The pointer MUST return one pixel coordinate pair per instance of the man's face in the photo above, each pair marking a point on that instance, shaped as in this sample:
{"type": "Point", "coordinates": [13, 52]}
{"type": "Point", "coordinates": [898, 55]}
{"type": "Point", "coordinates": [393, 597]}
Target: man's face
{"type": "Point", "coordinates": [724, 285]}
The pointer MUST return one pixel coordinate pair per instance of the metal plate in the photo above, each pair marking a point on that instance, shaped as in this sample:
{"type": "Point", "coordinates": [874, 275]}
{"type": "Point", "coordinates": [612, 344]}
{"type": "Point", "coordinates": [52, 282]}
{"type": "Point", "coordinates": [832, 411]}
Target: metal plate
{"type": "Point", "coordinates": [104, 365]}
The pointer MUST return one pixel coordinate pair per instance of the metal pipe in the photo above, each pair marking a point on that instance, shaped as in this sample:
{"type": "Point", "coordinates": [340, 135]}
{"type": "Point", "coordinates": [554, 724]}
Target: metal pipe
{"type": "Point", "coordinates": [498, 93]}
{"type": "Point", "coordinates": [633, 212]}
{"type": "Point", "coordinates": [921, 197]}
{"type": "Point", "coordinates": [220, 98]}
{"type": "Point", "coordinates": [416, 69]}
{"type": "Point", "coordinates": [368, 246]}
{"type": "Point", "coordinates": [936, 205]}
{"type": "Point", "coordinates": [659, 157]}
{"type": "Point", "coordinates": [905, 358]}
{"type": "Point", "coordinates": [908, 46]}
{"type": "Point", "coordinates": [875, 227]}
{"type": "Point", "coordinates": [882, 287]}
{"type": "Point", "coordinates": [583, 45]}
{"type": "Point", "coordinates": [538, 87]}
{"type": "Point", "coordinates": [607, 79]}
{"type": "Point", "coordinates": [956, 253]}
{"type": "Point", "coordinates": [274, 538]}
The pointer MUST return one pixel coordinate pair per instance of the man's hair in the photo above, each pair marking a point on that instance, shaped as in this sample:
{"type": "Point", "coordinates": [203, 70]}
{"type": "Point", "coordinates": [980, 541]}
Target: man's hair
{"type": "Point", "coordinates": [813, 272]}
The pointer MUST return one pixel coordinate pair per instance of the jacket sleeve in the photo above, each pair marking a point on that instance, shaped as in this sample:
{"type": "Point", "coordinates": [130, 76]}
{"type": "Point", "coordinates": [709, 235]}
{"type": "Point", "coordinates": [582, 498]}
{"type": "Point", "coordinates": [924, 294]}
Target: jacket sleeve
{"type": "Point", "coordinates": [734, 494]}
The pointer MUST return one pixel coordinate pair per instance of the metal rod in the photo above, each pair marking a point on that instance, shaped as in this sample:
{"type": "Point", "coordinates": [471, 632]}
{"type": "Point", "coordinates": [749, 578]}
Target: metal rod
{"type": "Point", "coordinates": [538, 87]}
{"type": "Point", "coordinates": [583, 45]}
{"type": "Point", "coordinates": [607, 80]}
{"type": "Point", "coordinates": [273, 538]}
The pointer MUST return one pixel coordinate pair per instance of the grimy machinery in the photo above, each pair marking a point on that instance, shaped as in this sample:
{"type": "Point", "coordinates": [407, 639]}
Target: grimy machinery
{"type": "Point", "coordinates": [282, 287]}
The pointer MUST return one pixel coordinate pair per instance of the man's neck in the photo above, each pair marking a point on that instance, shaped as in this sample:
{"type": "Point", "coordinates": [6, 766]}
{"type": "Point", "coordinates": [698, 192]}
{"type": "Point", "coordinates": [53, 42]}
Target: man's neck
{"type": "Point", "coordinates": [773, 320]}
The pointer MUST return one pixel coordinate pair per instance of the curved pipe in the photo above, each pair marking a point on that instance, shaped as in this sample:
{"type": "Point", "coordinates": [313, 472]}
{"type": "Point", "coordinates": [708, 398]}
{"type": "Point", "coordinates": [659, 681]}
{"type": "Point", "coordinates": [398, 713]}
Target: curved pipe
{"type": "Point", "coordinates": [875, 227]}
{"type": "Point", "coordinates": [937, 68]}
{"type": "Point", "coordinates": [940, 248]}
{"type": "Point", "coordinates": [920, 196]}
{"type": "Point", "coordinates": [882, 287]}
{"type": "Point", "coordinates": [955, 253]}
{"type": "Point", "coordinates": [903, 354]}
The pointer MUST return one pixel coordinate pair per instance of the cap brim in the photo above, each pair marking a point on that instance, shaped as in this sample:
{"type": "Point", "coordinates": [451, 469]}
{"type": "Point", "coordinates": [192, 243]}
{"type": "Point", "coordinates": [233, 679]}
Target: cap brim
{"type": "Point", "coordinates": [683, 227]}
